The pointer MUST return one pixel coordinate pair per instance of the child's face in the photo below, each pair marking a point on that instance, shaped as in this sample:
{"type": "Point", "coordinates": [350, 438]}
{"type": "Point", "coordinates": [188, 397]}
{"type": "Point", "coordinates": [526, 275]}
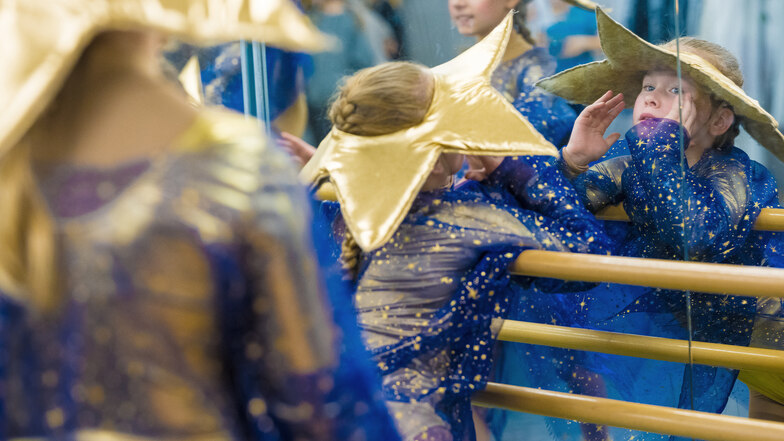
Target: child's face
{"type": "Point", "coordinates": [658, 97]}
{"type": "Point", "coordinates": [478, 17]}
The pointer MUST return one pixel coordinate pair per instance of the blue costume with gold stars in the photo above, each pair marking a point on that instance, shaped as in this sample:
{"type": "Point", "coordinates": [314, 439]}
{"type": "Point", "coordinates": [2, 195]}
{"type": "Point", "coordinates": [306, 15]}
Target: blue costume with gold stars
{"type": "Point", "coordinates": [704, 214]}
{"type": "Point", "coordinates": [718, 200]}
{"type": "Point", "coordinates": [427, 298]}
{"type": "Point", "coordinates": [550, 115]}
{"type": "Point", "coordinates": [192, 307]}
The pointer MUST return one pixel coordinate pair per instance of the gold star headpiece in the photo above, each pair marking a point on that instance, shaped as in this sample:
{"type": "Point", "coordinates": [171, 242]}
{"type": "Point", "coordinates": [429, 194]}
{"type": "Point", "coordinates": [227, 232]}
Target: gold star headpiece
{"type": "Point", "coordinates": [377, 178]}
{"type": "Point", "coordinates": [43, 39]}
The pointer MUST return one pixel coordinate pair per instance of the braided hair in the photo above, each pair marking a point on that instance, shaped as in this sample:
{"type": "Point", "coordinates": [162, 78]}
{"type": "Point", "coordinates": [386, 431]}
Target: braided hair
{"type": "Point", "coordinates": [520, 18]}
{"type": "Point", "coordinates": [376, 101]}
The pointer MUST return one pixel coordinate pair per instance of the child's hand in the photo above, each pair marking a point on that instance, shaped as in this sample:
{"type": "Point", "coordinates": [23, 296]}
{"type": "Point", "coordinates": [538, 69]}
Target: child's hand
{"type": "Point", "coordinates": [298, 149]}
{"type": "Point", "coordinates": [688, 113]}
{"type": "Point", "coordinates": [480, 167]}
{"type": "Point", "coordinates": [587, 143]}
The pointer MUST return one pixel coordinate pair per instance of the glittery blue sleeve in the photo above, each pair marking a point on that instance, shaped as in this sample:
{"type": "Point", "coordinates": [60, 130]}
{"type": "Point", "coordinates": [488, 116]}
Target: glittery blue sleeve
{"type": "Point", "coordinates": [550, 115]}
{"type": "Point", "coordinates": [515, 79]}
{"type": "Point", "coordinates": [662, 197]}
{"type": "Point", "coordinates": [538, 184]}
{"type": "Point", "coordinates": [600, 186]}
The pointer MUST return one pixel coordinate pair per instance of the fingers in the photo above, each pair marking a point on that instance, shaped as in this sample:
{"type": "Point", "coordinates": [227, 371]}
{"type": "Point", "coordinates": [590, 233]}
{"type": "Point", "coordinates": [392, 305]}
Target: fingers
{"type": "Point", "coordinates": [612, 138]}
{"type": "Point", "coordinates": [297, 147]}
{"type": "Point", "coordinates": [606, 114]}
{"type": "Point", "coordinates": [296, 142]}
{"type": "Point", "coordinates": [605, 106]}
{"type": "Point", "coordinates": [689, 114]}
{"type": "Point", "coordinates": [299, 150]}
{"type": "Point", "coordinates": [607, 95]}
{"type": "Point", "coordinates": [615, 101]}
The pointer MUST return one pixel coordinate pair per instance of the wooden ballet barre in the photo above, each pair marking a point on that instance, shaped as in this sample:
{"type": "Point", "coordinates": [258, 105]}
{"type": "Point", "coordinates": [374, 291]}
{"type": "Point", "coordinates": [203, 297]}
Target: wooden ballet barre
{"type": "Point", "coordinates": [715, 278]}
{"type": "Point", "coordinates": [655, 348]}
{"type": "Point", "coordinates": [635, 416]}
{"type": "Point", "coordinates": [769, 219]}
{"type": "Point", "coordinates": [712, 278]}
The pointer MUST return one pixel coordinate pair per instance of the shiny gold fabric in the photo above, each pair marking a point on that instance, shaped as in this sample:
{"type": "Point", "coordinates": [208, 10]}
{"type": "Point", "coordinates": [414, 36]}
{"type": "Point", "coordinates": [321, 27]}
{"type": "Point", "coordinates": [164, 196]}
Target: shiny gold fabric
{"type": "Point", "coordinates": [210, 233]}
{"type": "Point", "coordinates": [377, 178]}
{"type": "Point", "coordinates": [43, 39]}
{"type": "Point", "coordinates": [629, 57]}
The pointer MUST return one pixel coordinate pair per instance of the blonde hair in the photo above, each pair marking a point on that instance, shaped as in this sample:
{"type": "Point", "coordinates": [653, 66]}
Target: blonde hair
{"type": "Point", "coordinates": [28, 252]}
{"type": "Point", "coordinates": [727, 64]}
{"type": "Point", "coordinates": [382, 99]}
{"type": "Point", "coordinates": [29, 255]}
{"type": "Point", "coordinates": [376, 101]}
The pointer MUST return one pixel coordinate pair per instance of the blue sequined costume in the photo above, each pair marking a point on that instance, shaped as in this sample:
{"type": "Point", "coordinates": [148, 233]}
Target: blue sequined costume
{"type": "Point", "coordinates": [192, 309]}
{"type": "Point", "coordinates": [427, 299]}
{"type": "Point", "coordinates": [718, 200]}
{"type": "Point", "coordinates": [550, 115]}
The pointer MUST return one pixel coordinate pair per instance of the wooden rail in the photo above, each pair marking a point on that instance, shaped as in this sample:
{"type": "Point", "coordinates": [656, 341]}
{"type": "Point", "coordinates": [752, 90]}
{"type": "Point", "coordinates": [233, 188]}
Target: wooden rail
{"type": "Point", "coordinates": [635, 416]}
{"type": "Point", "coordinates": [769, 219]}
{"type": "Point", "coordinates": [655, 348]}
{"type": "Point", "coordinates": [716, 278]}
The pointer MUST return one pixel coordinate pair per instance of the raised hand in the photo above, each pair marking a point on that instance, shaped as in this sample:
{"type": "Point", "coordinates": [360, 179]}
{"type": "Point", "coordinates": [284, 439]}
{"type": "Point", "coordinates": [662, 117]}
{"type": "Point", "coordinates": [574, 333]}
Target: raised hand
{"type": "Point", "coordinates": [298, 149]}
{"type": "Point", "coordinates": [587, 143]}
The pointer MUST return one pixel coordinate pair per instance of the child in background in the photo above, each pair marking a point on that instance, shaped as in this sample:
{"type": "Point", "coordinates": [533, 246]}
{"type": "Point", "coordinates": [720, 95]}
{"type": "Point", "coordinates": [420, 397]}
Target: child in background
{"type": "Point", "coordinates": [572, 39]}
{"type": "Point", "coordinates": [704, 211]}
{"type": "Point", "coordinates": [523, 65]}
{"type": "Point", "coordinates": [339, 19]}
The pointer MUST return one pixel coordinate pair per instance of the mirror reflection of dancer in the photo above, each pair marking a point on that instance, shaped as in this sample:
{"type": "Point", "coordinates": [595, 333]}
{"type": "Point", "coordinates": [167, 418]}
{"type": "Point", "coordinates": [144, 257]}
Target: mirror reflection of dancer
{"type": "Point", "coordinates": [157, 279]}
{"type": "Point", "coordinates": [430, 260]}
{"type": "Point", "coordinates": [523, 65]}
{"type": "Point", "coordinates": [705, 213]}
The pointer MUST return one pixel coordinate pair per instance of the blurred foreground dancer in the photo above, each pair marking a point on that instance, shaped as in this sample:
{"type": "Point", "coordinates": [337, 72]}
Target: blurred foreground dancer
{"type": "Point", "coordinates": [156, 273]}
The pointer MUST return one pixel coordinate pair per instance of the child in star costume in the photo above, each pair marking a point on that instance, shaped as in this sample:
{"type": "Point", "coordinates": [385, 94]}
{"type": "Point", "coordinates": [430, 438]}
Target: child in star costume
{"type": "Point", "coordinates": [430, 260]}
{"type": "Point", "coordinates": [702, 211]}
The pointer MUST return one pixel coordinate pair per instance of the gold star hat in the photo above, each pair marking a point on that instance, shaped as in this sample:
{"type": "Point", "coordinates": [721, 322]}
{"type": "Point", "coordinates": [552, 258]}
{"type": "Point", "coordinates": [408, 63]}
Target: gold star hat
{"type": "Point", "coordinates": [377, 178]}
{"type": "Point", "coordinates": [629, 57]}
{"type": "Point", "coordinates": [43, 39]}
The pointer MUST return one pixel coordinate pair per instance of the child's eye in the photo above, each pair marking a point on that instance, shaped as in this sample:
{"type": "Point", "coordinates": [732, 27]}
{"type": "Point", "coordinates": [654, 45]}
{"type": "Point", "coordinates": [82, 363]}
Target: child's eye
{"type": "Point", "coordinates": [675, 90]}
{"type": "Point", "coordinates": [647, 88]}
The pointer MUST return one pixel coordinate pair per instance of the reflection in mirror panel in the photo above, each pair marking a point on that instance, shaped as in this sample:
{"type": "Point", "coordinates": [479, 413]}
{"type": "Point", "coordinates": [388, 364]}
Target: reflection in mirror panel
{"type": "Point", "coordinates": [706, 200]}
{"type": "Point", "coordinates": [739, 168]}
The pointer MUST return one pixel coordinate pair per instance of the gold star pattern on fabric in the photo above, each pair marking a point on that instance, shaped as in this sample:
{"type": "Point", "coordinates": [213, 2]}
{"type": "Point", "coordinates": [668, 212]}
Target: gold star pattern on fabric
{"type": "Point", "coordinates": [376, 179]}
{"type": "Point", "coordinates": [43, 39]}
{"type": "Point", "coordinates": [629, 57]}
